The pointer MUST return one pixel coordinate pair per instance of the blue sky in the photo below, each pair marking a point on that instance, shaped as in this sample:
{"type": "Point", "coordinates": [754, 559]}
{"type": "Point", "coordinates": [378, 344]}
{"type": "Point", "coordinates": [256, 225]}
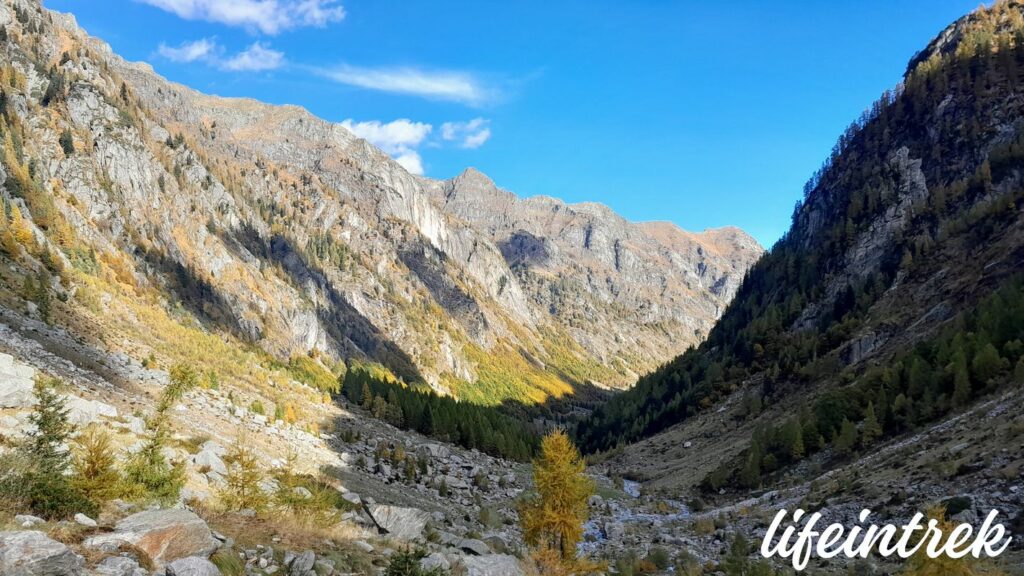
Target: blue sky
{"type": "Point", "coordinates": [703, 113]}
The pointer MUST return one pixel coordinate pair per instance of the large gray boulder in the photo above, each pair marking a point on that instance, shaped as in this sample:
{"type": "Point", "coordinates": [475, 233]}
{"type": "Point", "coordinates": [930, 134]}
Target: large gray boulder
{"type": "Point", "coordinates": [119, 566]}
{"type": "Point", "coordinates": [209, 461]}
{"type": "Point", "coordinates": [164, 535]}
{"type": "Point", "coordinates": [192, 566]}
{"type": "Point", "coordinates": [397, 522]}
{"type": "Point", "coordinates": [82, 412]}
{"type": "Point", "coordinates": [32, 553]}
{"type": "Point", "coordinates": [492, 565]}
{"type": "Point", "coordinates": [302, 564]}
{"type": "Point", "coordinates": [16, 382]}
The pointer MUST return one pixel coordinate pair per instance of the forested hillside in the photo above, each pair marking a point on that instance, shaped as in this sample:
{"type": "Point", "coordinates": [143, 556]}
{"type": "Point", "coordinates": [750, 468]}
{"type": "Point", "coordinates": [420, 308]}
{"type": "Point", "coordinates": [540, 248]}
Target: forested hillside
{"type": "Point", "coordinates": [892, 299]}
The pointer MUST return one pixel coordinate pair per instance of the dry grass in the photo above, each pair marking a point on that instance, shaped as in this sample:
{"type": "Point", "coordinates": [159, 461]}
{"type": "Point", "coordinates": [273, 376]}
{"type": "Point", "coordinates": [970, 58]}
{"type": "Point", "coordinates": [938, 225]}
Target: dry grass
{"type": "Point", "coordinates": [294, 532]}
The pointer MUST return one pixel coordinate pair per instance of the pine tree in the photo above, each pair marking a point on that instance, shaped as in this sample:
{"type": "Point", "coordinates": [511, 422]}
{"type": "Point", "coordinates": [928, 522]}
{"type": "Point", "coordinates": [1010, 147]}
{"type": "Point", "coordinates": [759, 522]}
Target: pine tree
{"type": "Point", "coordinates": [148, 473]}
{"type": "Point", "coordinates": [961, 379]}
{"type": "Point", "coordinates": [367, 402]}
{"type": "Point", "coordinates": [986, 364]}
{"type": "Point", "coordinates": [49, 491]}
{"type": "Point", "coordinates": [45, 443]}
{"type": "Point", "coordinates": [554, 519]}
{"type": "Point", "coordinates": [793, 440]}
{"type": "Point", "coordinates": [871, 430]}
{"type": "Point", "coordinates": [847, 437]}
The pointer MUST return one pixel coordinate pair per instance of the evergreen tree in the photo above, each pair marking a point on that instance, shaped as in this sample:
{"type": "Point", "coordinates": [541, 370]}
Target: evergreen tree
{"type": "Point", "coordinates": [792, 440]}
{"type": "Point", "coordinates": [871, 430]}
{"type": "Point", "coordinates": [46, 442]}
{"type": "Point", "coordinates": [847, 437]}
{"type": "Point", "coordinates": [49, 490]}
{"type": "Point", "coordinates": [986, 364]}
{"type": "Point", "coordinates": [367, 398]}
{"type": "Point", "coordinates": [147, 472]}
{"type": "Point", "coordinates": [961, 379]}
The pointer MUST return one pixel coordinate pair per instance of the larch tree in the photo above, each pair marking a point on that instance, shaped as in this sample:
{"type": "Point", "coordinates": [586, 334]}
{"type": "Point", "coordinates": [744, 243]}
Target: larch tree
{"type": "Point", "coordinates": [552, 522]}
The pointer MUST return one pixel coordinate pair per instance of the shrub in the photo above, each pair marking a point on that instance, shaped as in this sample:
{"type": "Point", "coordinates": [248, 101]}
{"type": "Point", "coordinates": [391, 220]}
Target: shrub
{"type": "Point", "coordinates": [319, 508]}
{"type": "Point", "coordinates": [407, 563]}
{"type": "Point", "coordinates": [659, 557]}
{"type": "Point", "coordinates": [67, 142]}
{"type": "Point", "coordinates": [228, 562]}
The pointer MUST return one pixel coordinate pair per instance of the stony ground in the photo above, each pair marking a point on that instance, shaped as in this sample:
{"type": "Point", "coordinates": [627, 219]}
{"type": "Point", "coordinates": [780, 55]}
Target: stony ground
{"type": "Point", "coordinates": [472, 527]}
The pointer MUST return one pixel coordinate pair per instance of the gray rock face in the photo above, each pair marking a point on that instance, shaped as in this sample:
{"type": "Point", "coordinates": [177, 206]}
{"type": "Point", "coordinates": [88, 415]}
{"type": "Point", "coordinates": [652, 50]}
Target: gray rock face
{"type": "Point", "coordinates": [434, 561]}
{"type": "Point", "coordinates": [210, 461]}
{"type": "Point", "coordinates": [165, 535]}
{"type": "Point", "coordinates": [302, 565]}
{"type": "Point", "coordinates": [397, 522]}
{"type": "Point", "coordinates": [304, 237]}
{"type": "Point", "coordinates": [119, 566]}
{"type": "Point", "coordinates": [16, 381]}
{"type": "Point", "coordinates": [31, 553]}
{"type": "Point", "coordinates": [82, 412]}
{"type": "Point", "coordinates": [192, 566]}
{"type": "Point", "coordinates": [493, 565]}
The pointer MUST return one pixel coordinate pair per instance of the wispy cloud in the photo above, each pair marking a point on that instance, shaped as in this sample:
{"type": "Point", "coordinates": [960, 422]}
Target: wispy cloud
{"type": "Point", "coordinates": [471, 134]}
{"type": "Point", "coordinates": [449, 85]}
{"type": "Point", "coordinates": [265, 16]}
{"type": "Point", "coordinates": [398, 138]}
{"type": "Point", "coordinates": [255, 58]}
{"type": "Point", "coordinates": [258, 57]}
{"type": "Point", "coordinates": [189, 51]}
{"type": "Point", "coordinates": [401, 139]}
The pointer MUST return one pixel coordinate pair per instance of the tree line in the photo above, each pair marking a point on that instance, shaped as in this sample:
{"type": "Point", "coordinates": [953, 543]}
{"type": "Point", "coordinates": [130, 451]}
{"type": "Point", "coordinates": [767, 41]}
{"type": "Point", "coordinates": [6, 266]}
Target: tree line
{"type": "Point", "coordinates": [417, 407]}
{"type": "Point", "coordinates": [765, 332]}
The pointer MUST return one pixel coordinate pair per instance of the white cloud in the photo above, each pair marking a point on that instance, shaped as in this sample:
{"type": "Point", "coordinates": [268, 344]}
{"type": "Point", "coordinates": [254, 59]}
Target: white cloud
{"type": "Point", "coordinates": [255, 58]}
{"type": "Point", "coordinates": [441, 85]}
{"type": "Point", "coordinates": [266, 16]}
{"type": "Point", "coordinates": [189, 51]}
{"type": "Point", "coordinates": [471, 134]}
{"type": "Point", "coordinates": [398, 138]}
{"type": "Point", "coordinates": [411, 161]}
{"type": "Point", "coordinates": [258, 57]}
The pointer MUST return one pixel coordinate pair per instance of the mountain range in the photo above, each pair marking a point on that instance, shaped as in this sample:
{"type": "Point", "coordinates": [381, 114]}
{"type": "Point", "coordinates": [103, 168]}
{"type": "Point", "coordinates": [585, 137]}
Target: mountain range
{"type": "Point", "coordinates": [288, 232]}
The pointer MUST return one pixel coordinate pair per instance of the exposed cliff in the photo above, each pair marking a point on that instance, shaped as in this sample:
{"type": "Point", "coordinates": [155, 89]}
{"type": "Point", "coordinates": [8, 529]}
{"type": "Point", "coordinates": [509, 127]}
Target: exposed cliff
{"type": "Point", "coordinates": [273, 227]}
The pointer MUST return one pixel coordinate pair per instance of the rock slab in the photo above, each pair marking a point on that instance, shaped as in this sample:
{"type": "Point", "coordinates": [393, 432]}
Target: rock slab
{"type": "Point", "coordinates": [397, 522]}
{"type": "Point", "coordinates": [32, 553]}
{"type": "Point", "coordinates": [164, 535]}
{"type": "Point", "coordinates": [192, 566]}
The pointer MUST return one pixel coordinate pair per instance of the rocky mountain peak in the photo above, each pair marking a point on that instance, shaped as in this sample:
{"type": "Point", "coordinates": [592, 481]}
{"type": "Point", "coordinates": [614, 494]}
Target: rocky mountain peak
{"type": "Point", "coordinates": [283, 230]}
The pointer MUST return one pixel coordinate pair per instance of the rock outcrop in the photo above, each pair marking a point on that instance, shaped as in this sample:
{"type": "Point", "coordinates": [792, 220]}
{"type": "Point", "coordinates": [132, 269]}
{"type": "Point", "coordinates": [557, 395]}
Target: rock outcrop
{"type": "Point", "coordinates": [398, 522]}
{"type": "Point", "coordinates": [164, 535]}
{"type": "Point", "coordinates": [31, 553]}
{"type": "Point", "coordinates": [287, 231]}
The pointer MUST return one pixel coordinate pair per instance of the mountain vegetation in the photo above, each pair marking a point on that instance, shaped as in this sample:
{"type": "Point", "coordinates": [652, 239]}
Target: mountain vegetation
{"type": "Point", "coordinates": [867, 237]}
{"type": "Point", "coordinates": [419, 408]}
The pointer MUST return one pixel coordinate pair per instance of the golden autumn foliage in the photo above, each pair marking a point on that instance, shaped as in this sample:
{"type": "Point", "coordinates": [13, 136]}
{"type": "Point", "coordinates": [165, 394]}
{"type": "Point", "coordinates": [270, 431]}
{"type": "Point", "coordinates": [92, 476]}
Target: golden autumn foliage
{"type": "Point", "coordinates": [920, 564]}
{"type": "Point", "coordinates": [552, 521]}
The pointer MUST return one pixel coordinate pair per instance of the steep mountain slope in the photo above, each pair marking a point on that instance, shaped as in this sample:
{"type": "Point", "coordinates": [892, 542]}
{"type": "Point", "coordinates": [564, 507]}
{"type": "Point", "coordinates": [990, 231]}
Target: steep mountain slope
{"type": "Point", "coordinates": [272, 227]}
{"type": "Point", "coordinates": [893, 305]}
{"type": "Point", "coordinates": [620, 288]}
